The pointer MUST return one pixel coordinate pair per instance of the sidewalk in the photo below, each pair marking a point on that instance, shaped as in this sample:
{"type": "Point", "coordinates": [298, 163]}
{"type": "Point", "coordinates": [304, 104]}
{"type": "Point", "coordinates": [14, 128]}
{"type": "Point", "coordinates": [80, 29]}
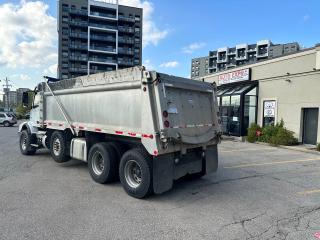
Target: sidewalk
{"type": "Point", "coordinates": [301, 148]}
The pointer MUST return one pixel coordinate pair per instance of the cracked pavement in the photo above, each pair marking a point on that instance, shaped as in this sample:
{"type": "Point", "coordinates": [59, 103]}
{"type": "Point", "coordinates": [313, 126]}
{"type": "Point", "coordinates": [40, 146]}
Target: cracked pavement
{"type": "Point", "coordinates": [40, 199]}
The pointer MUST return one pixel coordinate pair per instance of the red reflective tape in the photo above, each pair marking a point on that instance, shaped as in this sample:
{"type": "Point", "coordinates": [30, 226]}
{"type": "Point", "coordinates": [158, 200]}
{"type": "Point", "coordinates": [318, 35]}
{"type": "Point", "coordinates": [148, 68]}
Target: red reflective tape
{"type": "Point", "coordinates": [49, 123]}
{"type": "Point", "coordinates": [118, 132]}
{"type": "Point", "coordinates": [147, 136]}
{"type": "Point", "coordinates": [132, 134]}
{"type": "Point", "coordinates": [81, 127]}
{"type": "Point", "coordinates": [73, 126]}
{"type": "Point", "coordinates": [155, 153]}
{"type": "Point", "coordinates": [60, 125]}
{"type": "Point", "coordinates": [98, 129]}
{"type": "Point", "coordinates": [317, 235]}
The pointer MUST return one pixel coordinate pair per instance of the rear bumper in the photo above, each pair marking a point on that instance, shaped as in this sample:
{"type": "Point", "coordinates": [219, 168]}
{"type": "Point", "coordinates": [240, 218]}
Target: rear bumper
{"type": "Point", "coordinates": [172, 166]}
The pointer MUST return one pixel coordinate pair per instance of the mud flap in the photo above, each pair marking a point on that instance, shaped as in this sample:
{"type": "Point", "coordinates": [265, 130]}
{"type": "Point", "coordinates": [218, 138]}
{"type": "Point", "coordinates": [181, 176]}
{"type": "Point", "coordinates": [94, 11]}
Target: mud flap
{"type": "Point", "coordinates": [163, 169]}
{"type": "Point", "coordinates": [211, 159]}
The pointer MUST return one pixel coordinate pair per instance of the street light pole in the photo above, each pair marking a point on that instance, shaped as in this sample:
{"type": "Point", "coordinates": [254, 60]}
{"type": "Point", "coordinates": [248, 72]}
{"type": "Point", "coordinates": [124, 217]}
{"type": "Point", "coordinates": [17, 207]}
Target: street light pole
{"type": "Point", "coordinates": [7, 89]}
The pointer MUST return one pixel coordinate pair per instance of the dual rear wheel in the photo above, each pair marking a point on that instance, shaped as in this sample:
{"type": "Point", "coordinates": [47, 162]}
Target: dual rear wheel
{"type": "Point", "coordinates": [134, 168]}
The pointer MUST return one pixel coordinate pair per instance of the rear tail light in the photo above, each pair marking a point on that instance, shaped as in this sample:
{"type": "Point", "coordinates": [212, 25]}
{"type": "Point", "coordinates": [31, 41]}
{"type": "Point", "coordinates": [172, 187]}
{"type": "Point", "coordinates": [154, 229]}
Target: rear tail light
{"type": "Point", "coordinates": [165, 114]}
{"type": "Point", "coordinates": [166, 124]}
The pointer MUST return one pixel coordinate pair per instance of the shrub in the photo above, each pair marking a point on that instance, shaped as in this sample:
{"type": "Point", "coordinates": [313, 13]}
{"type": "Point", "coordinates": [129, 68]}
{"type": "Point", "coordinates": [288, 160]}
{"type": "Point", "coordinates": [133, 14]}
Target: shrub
{"type": "Point", "coordinates": [270, 131]}
{"type": "Point", "coordinates": [275, 135]}
{"type": "Point", "coordinates": [252, 132]}
{"type": "Point", "coordinates": [283, 137]}
{"type": "Point", "coordinates": [318, 147]}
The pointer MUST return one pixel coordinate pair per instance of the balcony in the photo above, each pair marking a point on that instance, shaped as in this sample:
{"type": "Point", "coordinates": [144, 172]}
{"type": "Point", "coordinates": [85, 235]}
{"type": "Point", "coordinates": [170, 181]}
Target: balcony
{"type": "Point", "coordinates": [93, 71]}
{"type": "Point", "coordinates": [78, 58]}
{"type": "Point", "coordinates": [102, 60]}
{"type": "Point", "coordinates": [125, 63]}
{"type": "Point", "coordinates": [79, 46]}
{"type": "Point", "coordinates": [104, 26]}
{"type": "Point", "coordinates": [104, 49]}
{"type": "Point", "coordinates": [126, 29]}
{"type": "Point", "coordinates": [103, 38]}
{"type": "Point", "coordinates": [78, 70]}
{"type": "Point", "coordinates": [125, 40]}
{"type": "Point", "coordinates": [78, 12]}
{"type": "Point", "coordinates": [104, 15]}
{"type": "Point", "coordinates": [125, 51]}
{"type": "Point", "coordinates": [127, 19]}
{"type": "Point", "coordinates": [79, 35]}
{"type": "Point", "coordinates": [78, 23]}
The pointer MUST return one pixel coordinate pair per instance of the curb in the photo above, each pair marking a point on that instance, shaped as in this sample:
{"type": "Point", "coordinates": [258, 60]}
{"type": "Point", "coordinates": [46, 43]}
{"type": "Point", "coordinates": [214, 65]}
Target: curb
{"type": "Point", "coordinates": [298, 149]}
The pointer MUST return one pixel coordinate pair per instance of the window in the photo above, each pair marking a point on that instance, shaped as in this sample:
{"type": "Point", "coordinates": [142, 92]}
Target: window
{"type": "Point", "coordinates": [137, 17]}
{"type": "Point", "coordinates": [2, 115]}
{"type": "Point", "coordinates": [269, 112]}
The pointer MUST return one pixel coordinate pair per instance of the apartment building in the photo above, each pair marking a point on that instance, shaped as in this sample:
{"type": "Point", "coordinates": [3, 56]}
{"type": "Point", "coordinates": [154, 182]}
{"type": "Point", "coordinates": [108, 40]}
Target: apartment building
{"type": "Point", "coordinates": [97, 36]}
{"type": "Point", "coordinates": [229, 57]}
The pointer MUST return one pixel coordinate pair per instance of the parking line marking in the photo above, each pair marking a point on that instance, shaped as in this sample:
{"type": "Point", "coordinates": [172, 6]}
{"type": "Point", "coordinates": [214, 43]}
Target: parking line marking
{"type": "Point", "coordinates": [243, 150]}
{"type": "Point", "coordinates": [309, 192]}
{"type": "Point", "coordinates": [273, 163]}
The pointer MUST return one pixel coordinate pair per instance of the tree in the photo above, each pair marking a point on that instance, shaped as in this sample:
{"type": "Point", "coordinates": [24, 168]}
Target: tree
{"type": "Point", "coordinates": [21, 111]}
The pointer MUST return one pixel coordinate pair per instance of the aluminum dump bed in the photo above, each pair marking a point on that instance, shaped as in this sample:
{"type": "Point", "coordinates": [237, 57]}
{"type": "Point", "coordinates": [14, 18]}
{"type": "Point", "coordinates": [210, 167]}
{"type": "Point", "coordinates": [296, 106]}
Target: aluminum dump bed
{"type": "Point", "coordinates": [163, 110]}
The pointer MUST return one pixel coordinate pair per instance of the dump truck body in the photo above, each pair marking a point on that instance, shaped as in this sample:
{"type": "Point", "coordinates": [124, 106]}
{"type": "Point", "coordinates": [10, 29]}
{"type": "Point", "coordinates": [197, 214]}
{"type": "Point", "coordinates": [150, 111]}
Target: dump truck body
{"type": "Point", "coordinates": [173, 119]}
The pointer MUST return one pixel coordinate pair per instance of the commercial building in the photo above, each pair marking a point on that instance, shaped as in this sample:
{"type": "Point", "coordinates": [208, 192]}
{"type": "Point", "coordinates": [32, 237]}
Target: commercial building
{"type": "Point", "coordinates": [97, 36]}
{"type": "Point", "coordinates": [230, 57]}
{"type": "Point", "coordinates": [12, 95]}
{"type": "Point", "coordinates": [15, 97]}
{"type": "Point", "coordinates": [286, 87]}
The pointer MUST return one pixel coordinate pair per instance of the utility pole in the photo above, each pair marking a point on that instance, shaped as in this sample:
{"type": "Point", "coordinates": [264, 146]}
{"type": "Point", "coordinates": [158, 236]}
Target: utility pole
{"type": "Point", "coordinates": [7, 90]}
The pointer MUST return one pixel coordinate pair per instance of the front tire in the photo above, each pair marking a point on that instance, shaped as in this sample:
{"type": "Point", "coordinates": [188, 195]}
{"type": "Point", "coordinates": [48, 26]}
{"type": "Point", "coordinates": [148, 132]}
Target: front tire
{"type": "Point", "coordinates": [25, 143]}
{"type": "Point", "coordinates": [6, 124]}
{"type": "Point", "coordinates": [136, 173]}
{"type": "Point", "coordinates": [102, 163]}
{"type": "Point", "coordinates": [58, 147]}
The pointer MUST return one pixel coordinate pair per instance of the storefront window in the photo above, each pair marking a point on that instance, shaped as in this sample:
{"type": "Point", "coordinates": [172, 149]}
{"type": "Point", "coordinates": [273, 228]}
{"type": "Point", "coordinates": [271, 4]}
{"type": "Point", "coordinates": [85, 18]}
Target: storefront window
{"type": "Point", "coordinates": [234, 117]}
{"type": "Point", "coordinates": [269, 111]}
{"type": "Point", "coordinates": [238, 108]}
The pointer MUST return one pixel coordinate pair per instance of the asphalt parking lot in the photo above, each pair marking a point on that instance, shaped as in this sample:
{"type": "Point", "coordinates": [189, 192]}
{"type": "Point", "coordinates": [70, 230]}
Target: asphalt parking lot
{"type": "Point", "coordinates": [259, 192]}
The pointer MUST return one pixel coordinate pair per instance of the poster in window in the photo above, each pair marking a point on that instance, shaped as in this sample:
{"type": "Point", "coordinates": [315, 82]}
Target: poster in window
{"type": "Point", "coordinates": [269, 112]}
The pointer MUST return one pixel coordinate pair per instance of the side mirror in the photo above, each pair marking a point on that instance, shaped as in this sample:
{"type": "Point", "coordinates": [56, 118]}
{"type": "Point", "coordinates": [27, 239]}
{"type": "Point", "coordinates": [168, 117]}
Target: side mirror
{"type": "Point", "coordinates": [25, 99]}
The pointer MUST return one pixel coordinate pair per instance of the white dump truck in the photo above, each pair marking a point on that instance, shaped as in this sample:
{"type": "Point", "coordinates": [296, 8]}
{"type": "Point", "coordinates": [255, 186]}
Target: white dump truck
{"type": "Point", "coordinates": [144, 127]}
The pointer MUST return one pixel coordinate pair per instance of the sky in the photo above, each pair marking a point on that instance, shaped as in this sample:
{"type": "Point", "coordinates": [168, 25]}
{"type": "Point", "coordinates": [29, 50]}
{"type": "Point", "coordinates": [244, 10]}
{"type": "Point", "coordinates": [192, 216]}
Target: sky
{"type": "Point", "coordinates": [175, 31]}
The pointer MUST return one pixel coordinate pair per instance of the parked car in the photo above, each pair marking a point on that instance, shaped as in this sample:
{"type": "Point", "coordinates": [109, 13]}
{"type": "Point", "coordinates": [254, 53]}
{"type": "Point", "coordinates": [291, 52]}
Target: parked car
{"type": "Point", "coordinates": [7, 119]}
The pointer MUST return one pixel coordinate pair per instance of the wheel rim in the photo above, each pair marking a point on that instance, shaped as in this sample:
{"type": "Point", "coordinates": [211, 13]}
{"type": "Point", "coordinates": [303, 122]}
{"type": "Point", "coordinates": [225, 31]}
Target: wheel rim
{"type": "Point", "coordinates": [24, 142]}
{"type": "Point", "coordinates": [97, 163]}
{"type": "Point", "coordinates": [56, 147]}
{"type": "Point", "coordinates": [133, 173]}
{"type": "Point", "coordinates": [6, 124]}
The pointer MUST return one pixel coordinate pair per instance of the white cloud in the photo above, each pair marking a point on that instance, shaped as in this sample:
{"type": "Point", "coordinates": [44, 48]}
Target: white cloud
{"type": "Point", "coordinates": [51, 70]}
{"type": "Point", "coordinates": [193, 47]}
{"type": "Point", "coordinates": [151, 33]}
{"type": "Point", "coordinates": [24, 77]}
{"type": "Point", "coordinates": [28, 35]}
{"type": "Point", "coordinates": [148, 65]}
{"type": "Point", "coordinates": [171, 64]}
{"type": "Point", "coordinates": [306, 17]}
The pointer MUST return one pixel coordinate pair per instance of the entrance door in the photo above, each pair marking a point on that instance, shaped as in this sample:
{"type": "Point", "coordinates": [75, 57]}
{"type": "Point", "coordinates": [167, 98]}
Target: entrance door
{"type": "Point", "coordinates": [310, 125]}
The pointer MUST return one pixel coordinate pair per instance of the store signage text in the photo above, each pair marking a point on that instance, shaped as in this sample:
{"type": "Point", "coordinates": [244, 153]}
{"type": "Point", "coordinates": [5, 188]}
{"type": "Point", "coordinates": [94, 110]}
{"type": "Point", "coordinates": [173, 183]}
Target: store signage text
{"type": "Point", "coordinates": [269, 108]}
{"type": "Point", "coordinates": [236, 76]}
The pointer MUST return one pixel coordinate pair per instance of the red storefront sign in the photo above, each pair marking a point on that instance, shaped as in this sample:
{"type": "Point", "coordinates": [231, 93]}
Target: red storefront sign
{"type": "Point", "coordinates": [236, 76]}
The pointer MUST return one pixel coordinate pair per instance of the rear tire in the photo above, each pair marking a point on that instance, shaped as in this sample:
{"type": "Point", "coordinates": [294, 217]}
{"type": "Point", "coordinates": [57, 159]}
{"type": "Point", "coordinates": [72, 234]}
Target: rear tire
{"type": "Point", "coordinates": [6, 124]}
{"type": "Point", "coordinates": [135, 172]}
{"type": "Point", "coordinates": [102, 163]}
{"type": "Point", "coordinates": [58, 147]}
{"type": "Point", "coordinates": [25, 143]}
